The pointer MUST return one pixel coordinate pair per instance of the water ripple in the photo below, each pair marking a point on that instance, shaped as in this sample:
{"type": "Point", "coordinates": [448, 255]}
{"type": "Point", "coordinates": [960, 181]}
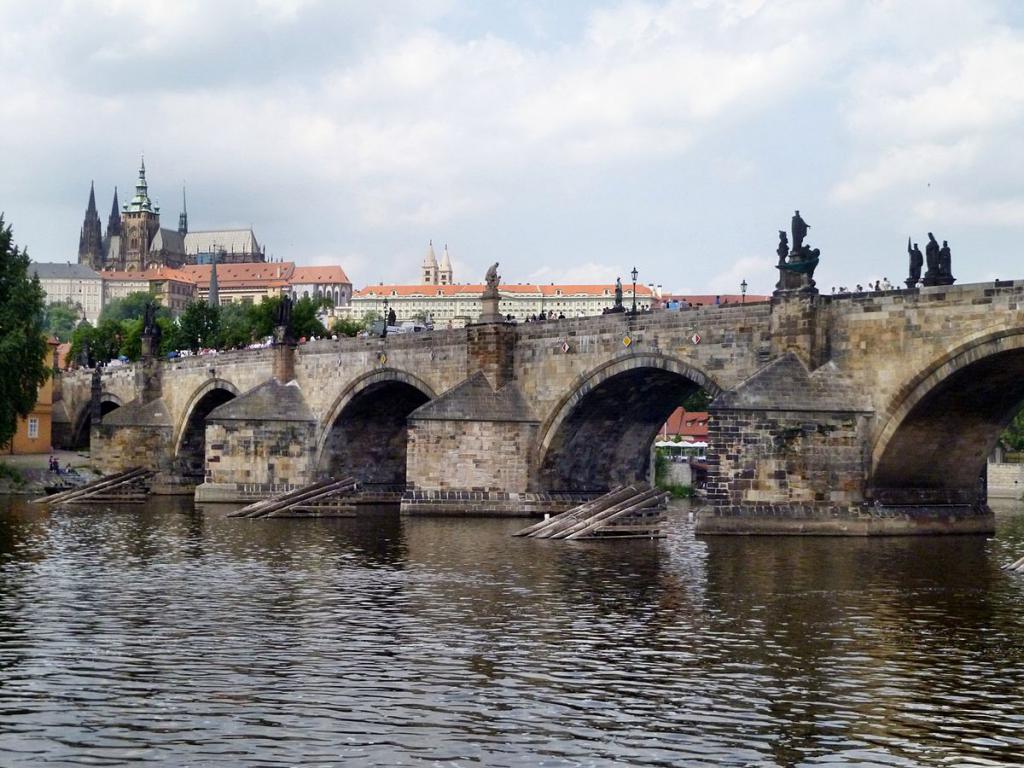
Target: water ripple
{"type": "Point", "coordinates": [171, 635]}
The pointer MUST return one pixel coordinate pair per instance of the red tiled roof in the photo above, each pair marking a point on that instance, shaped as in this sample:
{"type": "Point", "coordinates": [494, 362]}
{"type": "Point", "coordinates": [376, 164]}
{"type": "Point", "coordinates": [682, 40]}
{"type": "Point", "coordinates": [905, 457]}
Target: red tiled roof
{"type": "Point", "coordinates": [158, 273]}
{"type": "Point", "coordinates": [317, 275]}
{"type": "Point", "coordinates": [474, 289]}
{"type": "Point", "coordinates": [252, 274]}
{"type": "Point", "coordinates": [687, 424]}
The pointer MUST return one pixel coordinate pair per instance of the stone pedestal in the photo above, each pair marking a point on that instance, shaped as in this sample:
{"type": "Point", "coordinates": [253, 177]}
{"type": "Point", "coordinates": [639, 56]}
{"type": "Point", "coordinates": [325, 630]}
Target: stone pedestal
{"type": "Point", "coordinates": [490, 349]}
{"type": "Point", "coordinates": [490, 313]}
{"type": "Point", "coordinates": [284, 356]}
{"type": "Point", "coordinates": [798, 325]}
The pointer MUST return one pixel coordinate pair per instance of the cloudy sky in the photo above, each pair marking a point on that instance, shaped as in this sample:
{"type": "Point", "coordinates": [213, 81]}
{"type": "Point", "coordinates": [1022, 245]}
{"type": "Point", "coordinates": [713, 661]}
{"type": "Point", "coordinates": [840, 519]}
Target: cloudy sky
{"type": "Point", "coordinates": [568, 140]}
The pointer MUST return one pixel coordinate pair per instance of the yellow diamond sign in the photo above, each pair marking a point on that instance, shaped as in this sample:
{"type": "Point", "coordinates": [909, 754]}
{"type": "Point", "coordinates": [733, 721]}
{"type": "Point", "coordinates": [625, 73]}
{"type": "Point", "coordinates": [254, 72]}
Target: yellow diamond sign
{"type": "Point", "coordinates": [626, 341]}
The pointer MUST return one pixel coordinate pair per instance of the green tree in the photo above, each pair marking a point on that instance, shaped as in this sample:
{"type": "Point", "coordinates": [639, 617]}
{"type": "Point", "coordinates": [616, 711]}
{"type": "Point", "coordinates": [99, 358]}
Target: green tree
{"type": "Point", "coordinates": [1013, 437]}
{"type": "Point", "coordinates": [305, 323]}
{"type": "Point", "coordinates": [199, 326]}
{"type": "Point", "coordinates": [343, 326]}
{"type": "Point", "coordinates": [132, 307]}
{"type": "Point", "coordinates": [170, 336]}
{"type": "Point", "coordinates": [261, 317]}
{"type": "Point", "coordinates": [131, 339]}
{"type": "Point", "coordinates": [60, 320]}
{"type": "Point", "coordinates": [22, 343]}
{"type": "Point", "coordinates": [236, 326]}
{"type": "Point", "coordinates": [697, 401]}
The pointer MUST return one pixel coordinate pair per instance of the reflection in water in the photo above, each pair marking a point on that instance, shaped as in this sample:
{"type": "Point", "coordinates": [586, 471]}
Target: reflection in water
{"type": "Point", "coordinates": [176, 634]}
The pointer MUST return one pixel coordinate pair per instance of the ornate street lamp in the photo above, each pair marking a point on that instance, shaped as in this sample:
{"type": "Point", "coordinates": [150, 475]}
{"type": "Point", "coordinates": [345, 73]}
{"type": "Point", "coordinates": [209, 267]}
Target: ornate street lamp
{"type": "Point", "coordinates": [384, 333]}
{"type": "Point", "coordinates": [634, 273]}
{"type": "Point", "coordinates": [743, 292]}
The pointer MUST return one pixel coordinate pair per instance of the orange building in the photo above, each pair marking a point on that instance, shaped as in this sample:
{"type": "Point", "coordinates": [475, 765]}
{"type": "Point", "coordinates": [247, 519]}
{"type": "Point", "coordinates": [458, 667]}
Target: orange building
{"type": "Point", "coordinates": [34, 432]}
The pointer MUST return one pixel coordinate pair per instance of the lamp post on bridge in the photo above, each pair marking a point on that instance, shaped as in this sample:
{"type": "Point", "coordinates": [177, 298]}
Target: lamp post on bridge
{"type": "Point", "coordinates": [743, 292]}
{"type": "Point", "coordinates": [384, 333]}
{"type": "Point", "coordinates": [634, 274]}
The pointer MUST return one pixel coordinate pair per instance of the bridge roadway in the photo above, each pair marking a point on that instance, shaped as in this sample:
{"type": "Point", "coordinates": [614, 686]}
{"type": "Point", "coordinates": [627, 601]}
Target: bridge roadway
{"type": "Point", "coordinates": [862, 414]}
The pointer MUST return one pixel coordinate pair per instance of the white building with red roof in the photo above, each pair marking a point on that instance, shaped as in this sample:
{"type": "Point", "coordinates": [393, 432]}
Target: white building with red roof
{"type": "Point", "coordinates": [328, 282]}
{"type": "Point", "coordinates": [457, 305]}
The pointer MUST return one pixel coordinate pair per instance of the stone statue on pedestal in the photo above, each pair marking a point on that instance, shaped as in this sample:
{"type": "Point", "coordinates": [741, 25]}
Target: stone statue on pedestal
{"type": "Point", "coordinates": [283, 322]}
{"type": "Point", "coordinates": [151, 331]}
{"type": "Point", "coordinates": [946, 262]}
{"type": "Point", "coordinates": [939, 263]}
{"type": "Point", "coordinates": [783, 249]}
{"type": "Point", "coordinates": [800, 228]}
{"type": "Point", "coordinates": [490, 298]}
{"type": "Point", "coordinates": [931, 256]}
{"type": "Point", "coordinates": [916, 262]}
{"type": "Point", "coordinates": [491, 280]}
{"type": "Point", "coordinates": [796, 270]}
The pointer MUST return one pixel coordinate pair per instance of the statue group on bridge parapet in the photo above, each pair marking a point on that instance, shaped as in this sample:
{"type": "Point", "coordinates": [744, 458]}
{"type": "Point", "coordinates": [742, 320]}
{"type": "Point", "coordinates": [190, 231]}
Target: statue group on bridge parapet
{"type": "Point", "coordinates": [938, 261]}
{"type": "Point", "coordinates": [797, 263]}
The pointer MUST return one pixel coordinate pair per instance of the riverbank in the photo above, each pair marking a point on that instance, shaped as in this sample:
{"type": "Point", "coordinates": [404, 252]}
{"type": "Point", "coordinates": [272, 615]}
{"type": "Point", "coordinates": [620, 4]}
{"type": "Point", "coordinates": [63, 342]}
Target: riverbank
{"type": "Point", "coordinates": [29, 474]}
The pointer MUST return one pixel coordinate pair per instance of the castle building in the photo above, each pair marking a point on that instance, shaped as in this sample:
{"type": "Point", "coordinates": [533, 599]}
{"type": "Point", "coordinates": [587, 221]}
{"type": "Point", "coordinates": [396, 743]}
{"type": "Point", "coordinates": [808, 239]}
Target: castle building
{"type": "Point", "coordinates": [458, 305]}
{"type": "Point", "coordinates": [75, 285]}
{"type": "Point", "coordinates": [135, 241]}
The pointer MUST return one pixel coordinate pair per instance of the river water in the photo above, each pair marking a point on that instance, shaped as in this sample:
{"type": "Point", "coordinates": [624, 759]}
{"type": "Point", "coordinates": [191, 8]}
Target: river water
{"type": "Point", "coordinates": [167, 634]}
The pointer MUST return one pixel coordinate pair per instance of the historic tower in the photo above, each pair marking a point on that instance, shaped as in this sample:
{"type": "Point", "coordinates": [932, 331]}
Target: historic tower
{"type": "Point", "coordinates": [140, 222]}
{"type": "Point", "coordinates": [183, 216]}
{"type": "Point", "coordinates": [430, 266]}
{"type": "Point", "coordinates": [444, 274]}
{"type": "Point", "coordinates": [90, 243]}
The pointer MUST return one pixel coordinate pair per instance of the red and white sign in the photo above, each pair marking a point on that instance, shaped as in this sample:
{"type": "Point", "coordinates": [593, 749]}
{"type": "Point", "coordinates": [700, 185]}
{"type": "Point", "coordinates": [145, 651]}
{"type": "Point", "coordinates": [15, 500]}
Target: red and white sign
{"type": "Point", "coordinates": [695, 338]}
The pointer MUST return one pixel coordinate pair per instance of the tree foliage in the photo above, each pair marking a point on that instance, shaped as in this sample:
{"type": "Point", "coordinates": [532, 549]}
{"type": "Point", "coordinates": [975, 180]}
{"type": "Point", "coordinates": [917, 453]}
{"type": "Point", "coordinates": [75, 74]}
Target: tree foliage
{"type": "Point", "coordinates": [345, 327]}
{"type": "Point", "coordinates": [198, 326]}
{"type": "Point", "coordinates": [60, 320]}
{"type": "Point", "coordinates": [22, 343]}
{"type": "Point", "coordinates": [132, 307]}
{"type": "Point", "coordinates": [697, 401]}
{"type": "Point", "coordinates": [1013, 436]}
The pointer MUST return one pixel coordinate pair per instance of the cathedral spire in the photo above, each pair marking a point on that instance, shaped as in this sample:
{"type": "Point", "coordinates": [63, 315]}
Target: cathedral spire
{"type": "Point", "coordinates": [213, 295]}
{"type": "Point", "coordinates": [114, 222]}
{"type": "Point", "coordinates": [90, 241]}
{"type": "Point", "coordinates": [183, 216]}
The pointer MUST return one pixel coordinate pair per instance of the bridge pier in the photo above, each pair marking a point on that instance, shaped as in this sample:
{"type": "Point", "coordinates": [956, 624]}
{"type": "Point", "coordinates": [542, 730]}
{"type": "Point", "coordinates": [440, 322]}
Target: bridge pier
{"type": "Point", "coordinates": [790, 454]}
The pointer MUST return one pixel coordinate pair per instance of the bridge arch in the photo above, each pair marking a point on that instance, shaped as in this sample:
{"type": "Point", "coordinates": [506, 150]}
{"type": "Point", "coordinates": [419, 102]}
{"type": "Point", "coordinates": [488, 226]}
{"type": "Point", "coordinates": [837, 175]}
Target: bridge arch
{"type": "Point", "coordinates": [190, 439]}
{"type": "Point", "coordinates": [82, 426]}
{"type": "Point", "coordinates": [943, 423]}
{"type": "Point", "coordinates": [600, 434]}
{"type": "Point", "coordinates": [365, 432]}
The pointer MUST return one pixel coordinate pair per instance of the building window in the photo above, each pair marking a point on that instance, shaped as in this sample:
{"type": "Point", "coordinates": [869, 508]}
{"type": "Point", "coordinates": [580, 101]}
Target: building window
{"type": "Point", "coordinates": [33, 428]}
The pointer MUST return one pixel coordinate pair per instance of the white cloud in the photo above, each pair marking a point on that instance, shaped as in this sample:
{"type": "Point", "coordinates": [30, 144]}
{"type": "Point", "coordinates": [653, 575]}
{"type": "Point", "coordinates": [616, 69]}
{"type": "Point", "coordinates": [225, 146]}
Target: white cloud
{"type": "Point", "coordinates": [385, 123]}
{"type": "Point", "coordinates": [1005, 212]}
{"type": "Point", "coordinates": [759, 273]}
{"type": "Point", "coordinates": [915, 164]}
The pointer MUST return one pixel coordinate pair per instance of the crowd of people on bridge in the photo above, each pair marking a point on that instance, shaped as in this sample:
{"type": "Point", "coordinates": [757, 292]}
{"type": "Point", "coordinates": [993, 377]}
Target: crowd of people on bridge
{"type": "Point", "coordinates": [872, 286]}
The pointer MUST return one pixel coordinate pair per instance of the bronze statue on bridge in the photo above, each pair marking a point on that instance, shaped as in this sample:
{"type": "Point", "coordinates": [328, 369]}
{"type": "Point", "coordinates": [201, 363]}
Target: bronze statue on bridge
{"type": "Point", "coordinates": [796, 269]}
{"type": "Point", "coordinates": [938, 260]}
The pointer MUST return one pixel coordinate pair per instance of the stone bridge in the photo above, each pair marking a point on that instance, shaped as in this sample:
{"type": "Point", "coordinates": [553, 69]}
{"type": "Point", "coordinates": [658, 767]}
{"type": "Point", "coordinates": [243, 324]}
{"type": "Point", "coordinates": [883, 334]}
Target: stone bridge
{"type": "Point", "coordinates": [870, 413]}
